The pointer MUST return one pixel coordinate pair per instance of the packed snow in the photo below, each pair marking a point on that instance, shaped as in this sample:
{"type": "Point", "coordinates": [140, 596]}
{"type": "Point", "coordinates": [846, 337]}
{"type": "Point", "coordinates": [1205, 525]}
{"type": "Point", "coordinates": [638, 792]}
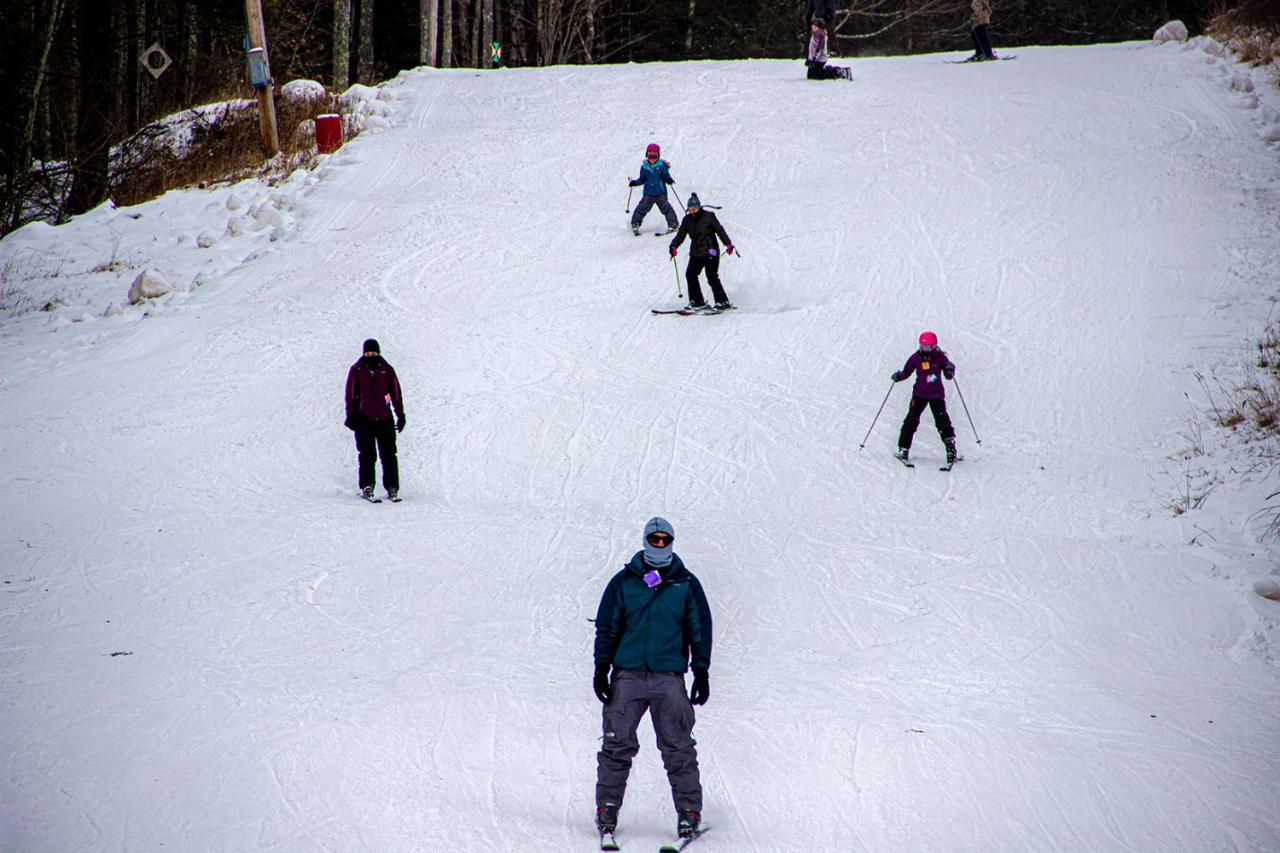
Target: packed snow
{"type": "Point", "coordinates": [211, 644]}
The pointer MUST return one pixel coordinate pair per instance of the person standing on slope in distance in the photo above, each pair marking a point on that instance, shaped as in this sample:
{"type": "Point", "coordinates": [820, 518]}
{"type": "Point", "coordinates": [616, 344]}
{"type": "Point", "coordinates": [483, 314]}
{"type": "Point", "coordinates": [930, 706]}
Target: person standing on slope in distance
{"type": "Point", "coordinates": [372, 390]}
{"type": "Point", "coordinates": [930, 365]}
{"type": "Point", "coordinates": [655, 177]}
{"type": "Point", "coordinates": [980, 29]}
{"type": "Point", "coordinates": [702, 227]}
{"type": "Point", "coordinates": [652, 624]}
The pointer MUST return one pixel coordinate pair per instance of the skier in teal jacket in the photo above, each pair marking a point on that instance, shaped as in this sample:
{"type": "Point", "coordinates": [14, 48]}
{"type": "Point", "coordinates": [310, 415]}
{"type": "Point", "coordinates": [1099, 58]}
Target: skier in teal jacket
{"type": "Point", "coordinates": [652, 624]}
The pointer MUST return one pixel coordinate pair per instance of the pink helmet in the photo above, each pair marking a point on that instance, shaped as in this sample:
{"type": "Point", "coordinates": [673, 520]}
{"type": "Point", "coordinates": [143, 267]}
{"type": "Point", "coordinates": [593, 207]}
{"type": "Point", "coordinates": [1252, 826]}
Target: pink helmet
{"type": "Point", "coordinates": [653, 148]}
{"type": "Point", "coordinates": [928, 339]}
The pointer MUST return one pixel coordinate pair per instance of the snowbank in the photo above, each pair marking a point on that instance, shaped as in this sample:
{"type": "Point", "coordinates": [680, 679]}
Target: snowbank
{"type": "Point", "coordinates": [1172, 31]}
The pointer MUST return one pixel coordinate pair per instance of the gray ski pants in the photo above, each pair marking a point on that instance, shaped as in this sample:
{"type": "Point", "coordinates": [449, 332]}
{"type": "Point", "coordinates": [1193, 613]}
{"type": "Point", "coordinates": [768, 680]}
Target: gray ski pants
{"type": "Point", "coordinates": [663, 695]}
{"type": "Point", "coordinates": [648, 201]}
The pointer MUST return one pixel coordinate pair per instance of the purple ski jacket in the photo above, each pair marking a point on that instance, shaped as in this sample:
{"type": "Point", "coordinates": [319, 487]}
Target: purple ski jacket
{"type": "Point", "coordinates": [928, 368]}
{"type": "Point", "coordinates": [372, 388]}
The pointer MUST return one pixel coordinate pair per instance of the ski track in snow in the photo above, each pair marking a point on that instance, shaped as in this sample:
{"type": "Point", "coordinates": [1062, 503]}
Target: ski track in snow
{"type": "Point", "coordinates": [210, 644]}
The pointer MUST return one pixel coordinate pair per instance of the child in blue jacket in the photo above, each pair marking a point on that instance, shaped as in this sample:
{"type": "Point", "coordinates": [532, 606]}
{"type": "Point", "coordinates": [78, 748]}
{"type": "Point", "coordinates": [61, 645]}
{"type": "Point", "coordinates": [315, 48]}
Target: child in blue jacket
{"type": "Point", "coordinates": [655, 177]}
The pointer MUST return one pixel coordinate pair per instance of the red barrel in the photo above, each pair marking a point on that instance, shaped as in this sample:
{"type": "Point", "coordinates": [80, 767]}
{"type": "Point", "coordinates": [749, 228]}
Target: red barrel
{"type": "Point", "coordinates": [328, 133]}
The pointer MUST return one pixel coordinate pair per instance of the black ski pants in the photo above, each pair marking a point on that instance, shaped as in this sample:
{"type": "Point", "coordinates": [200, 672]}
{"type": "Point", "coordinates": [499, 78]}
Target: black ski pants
{"type": "Point", "coordinates": [376, 438]}
{"type": "Point", "coordinates": [696, 265]}
{"type": "Point", "coordinates": [663, 695]}
{"type": "Point", "coordinates": [820, 71]}
{"type": "Point", "coordinates": [982, 40]}
{"type": "Point", "coordinates": [940, 418]}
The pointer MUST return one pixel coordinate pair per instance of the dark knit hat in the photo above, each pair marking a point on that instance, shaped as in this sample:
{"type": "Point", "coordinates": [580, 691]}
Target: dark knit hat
{"type": "Point", "coordinates": [693, 201]}
{"type": "Point", "coordinates": [820, 23]}
{"type": "Point", "coordinates": [372, 346]}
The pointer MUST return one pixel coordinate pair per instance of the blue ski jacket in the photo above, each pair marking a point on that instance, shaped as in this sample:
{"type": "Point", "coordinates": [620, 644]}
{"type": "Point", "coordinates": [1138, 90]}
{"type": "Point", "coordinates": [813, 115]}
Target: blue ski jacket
{"type": "Point", "coordinates": [654, 629]}
{"type": "Point", "coordinates": [655, 178]}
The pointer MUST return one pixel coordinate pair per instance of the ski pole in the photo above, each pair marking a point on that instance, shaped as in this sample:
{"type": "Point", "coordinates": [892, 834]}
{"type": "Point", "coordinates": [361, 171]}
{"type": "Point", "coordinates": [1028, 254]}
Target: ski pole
{"type": "Point", "coordinates": [630, 190]}
{"type": "Point", "coordinates": [877, 417]}
{"type": "Point", "coordinates": [966, 411]}
{"type": "Point", "coordinates": [676, 270]}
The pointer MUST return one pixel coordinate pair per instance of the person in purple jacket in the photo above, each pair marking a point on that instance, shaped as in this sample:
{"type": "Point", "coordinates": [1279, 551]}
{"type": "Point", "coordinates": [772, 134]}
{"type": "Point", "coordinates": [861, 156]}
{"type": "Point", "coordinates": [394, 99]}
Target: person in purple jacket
{"type": "Point", "coordinates": [372, 390]}
{"type": "Point", "coordinates": [930, 365]}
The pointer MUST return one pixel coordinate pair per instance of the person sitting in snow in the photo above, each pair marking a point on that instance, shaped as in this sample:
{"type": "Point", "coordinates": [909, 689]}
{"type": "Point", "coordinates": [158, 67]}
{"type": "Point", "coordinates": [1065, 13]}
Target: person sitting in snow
{"type": "Point", "coordinates": [655, 177]}
{"type": "Point", "coordinates": [980, 29]}
{"type": "Point", "coordinates": [930, 365]}
{"type": "Point", "coordinates": [702, 227]}
{"type": "Point", "coordinates": [817, 62]}
{"type": "Point", "coordinates": [372, 389]}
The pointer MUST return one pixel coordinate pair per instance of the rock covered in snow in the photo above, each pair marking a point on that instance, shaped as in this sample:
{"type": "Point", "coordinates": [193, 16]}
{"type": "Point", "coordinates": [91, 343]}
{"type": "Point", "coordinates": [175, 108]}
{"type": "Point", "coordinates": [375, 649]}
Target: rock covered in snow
{"type": "Point", "coordinates": [234, 202]}
{"type": "Point", "coordinates": [113, 310]}
{"type": "Point", "coordinates": [304, 91]}
{"type": "Point", "coordinates": [205, 239]}
{"type": "Point", "coordinates": [150, 284]}
{"type": "Point", "coordinates": [1241, 81]}
{"type": "Point", "coordinates": [1272, 133]}
{"type": "Point", "coordinates": [235, 226]}
{"type": "Point", "coordinates": [1172, 31]}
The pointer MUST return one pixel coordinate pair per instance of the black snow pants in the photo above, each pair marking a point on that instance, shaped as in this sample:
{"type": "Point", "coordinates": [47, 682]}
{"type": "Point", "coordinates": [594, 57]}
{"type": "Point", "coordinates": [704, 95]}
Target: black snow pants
{"type": "Point", "coordinates": [912, 422]}
{"type": "Point", "coordinates": [376, 438]}
{"type": "Point", "coordinates": [663, 695]}
{"type": "Point", "coordinates": [982, 41]}
{"type": "Point", "coordinates": [712, 265]}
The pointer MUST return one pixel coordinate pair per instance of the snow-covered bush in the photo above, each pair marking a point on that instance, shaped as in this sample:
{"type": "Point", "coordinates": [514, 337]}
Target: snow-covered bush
{"type": "Point", "coordinates": [1172, 31]}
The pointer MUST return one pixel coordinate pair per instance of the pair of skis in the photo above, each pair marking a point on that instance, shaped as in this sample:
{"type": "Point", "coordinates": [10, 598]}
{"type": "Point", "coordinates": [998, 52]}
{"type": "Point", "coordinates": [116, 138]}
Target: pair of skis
{"type": "Point", "coordinates": [947, 467]}
{"type": "Point", "coordinates": [373, 499]}
{"type": "Point", "coordinates": [607, 842]}
{"type": "Point", "coordinates": [709, 311]}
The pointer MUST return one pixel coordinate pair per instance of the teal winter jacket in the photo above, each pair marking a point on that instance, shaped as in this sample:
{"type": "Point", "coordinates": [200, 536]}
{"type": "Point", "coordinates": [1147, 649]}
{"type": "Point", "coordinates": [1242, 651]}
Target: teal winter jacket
{"type": "Point", "coordinates": [660, 629]}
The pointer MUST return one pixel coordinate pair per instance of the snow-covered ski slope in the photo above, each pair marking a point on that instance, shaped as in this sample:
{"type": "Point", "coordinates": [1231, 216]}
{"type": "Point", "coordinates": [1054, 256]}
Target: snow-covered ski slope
{"type": "Point", "coordinates": [210, 644]}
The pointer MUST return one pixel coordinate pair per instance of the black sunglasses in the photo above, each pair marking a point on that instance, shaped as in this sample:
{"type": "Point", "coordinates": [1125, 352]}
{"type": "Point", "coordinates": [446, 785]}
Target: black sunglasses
{"type": "Point", "coordinates": [659, 540]}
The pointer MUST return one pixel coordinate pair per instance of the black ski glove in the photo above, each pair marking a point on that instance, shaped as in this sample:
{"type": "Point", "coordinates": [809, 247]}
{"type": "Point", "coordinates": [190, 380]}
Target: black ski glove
{"type": "Point", "coordinates": [400, 423]}
{"type": "Point", "coordinates": [897, 376]}
{"type": "Point", "coordinates": [600, 684]}
{"type": "Point", "coordinates": [949, 371]}
{"type": "Point", "coordinates": [701, 688]}
{"type": "Point", "coordinates": [350, 423]}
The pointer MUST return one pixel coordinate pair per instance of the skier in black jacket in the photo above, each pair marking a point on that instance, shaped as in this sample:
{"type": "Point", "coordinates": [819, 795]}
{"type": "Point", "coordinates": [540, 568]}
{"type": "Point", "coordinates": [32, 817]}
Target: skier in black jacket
{"type": "Point", "coordinates": [702, 228]}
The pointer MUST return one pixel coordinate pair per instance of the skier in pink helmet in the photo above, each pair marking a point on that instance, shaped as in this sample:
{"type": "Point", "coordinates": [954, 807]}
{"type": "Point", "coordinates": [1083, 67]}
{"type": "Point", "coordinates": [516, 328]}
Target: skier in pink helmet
{"type": "Point", "coordinates": [930, 366]}
{"type": "Point", "coordinates": [655, 177]}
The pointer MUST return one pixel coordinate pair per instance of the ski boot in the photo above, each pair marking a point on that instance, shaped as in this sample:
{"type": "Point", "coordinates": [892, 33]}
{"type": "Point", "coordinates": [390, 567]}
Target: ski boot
{"type": "Point", "coordinates": [724, 306]}
{"type": "Point", "coordinates": [951, 450]}
{"type": "Point", "coordinates": [902, 453]}
{"type": "Point", "coordinates": [607, 818]}
{"type": "Point", "coordinates": [688, 822]}
{"type": "Point", "coordinates": [393, 495]}
{"type": "Point", "coordinates": [367, 493]}
{"type": "Point", "coordinates": [635, 230]}
{"type": "Point", "coordinates": [671, 229]}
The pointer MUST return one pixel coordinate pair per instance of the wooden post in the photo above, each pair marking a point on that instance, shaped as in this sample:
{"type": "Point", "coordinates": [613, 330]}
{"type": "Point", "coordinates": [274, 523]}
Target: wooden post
{"type": "Point", "coordinates": [266, 102]}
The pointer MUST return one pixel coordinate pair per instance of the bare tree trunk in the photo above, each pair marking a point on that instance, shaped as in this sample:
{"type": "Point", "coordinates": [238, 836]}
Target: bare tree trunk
{"type": "Point", "coordinates": [590, 41]}
{"type": "Point", "coordinates": [21, 167]}
{"type": "Point", "coordinates": [446, 35]}
{"type": "Point", "coordinates": [341, 44]}
{"type": "Point", "coordinates": [427, 14]}
{"type": "Point", "coordinates": [366, 73]}
{"type": "Point", "coordinates": [486, 39]}
{"type": "Point", "coordinates": [473, 38]}
{"type": "Point", "coordinates": [688, 33]}
{"type": "Point", "coordinates": [95, 124]}
{"type": "Point", "coordinates": [191, 49]}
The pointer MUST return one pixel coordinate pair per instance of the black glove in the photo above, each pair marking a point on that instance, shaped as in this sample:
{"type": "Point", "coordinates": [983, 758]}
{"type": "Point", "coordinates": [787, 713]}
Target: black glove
{"type": "Point", "coordinates": [400, 423]}
{"type": "Point", "coordinates": [701, 688]}
{"type": "Point", "coordinates": [350, 423]}
{"type": "Point", "coordinates": [949, 371]}
{"type": "Point", "coordinates": [634, 183]}
{"type": "Point", "coordinates": [897, 376]}
{"type": "Point", "coordinates": [600, 684]}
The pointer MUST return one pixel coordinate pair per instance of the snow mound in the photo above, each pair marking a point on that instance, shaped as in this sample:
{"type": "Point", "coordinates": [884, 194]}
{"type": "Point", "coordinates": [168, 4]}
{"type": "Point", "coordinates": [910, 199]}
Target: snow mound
{"type": "Point", "coordinates": [1172, 31]}
{"type": "Point", "coordinates": [150, 284]}
{"type": "Point", "coordinates": [304, 91]}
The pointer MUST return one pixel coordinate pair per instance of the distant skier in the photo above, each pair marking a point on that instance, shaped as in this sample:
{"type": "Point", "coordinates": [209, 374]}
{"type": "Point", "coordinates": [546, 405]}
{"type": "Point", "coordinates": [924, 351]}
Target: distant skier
{"type": "Point", "coordinates": [702, 227]}
{"type": "Point", "coordinates": [655, 177]}
{"type": "Point", "coordinates": [653, 618]}
{"type": "Point", "coordinates": [817, 61]}
{"type": "Point", "coordinates": [372, 390]}
{"type": "Point", "coordinates": [980, 29]}
{"type": "Point", "coordinates": [930, 365]}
